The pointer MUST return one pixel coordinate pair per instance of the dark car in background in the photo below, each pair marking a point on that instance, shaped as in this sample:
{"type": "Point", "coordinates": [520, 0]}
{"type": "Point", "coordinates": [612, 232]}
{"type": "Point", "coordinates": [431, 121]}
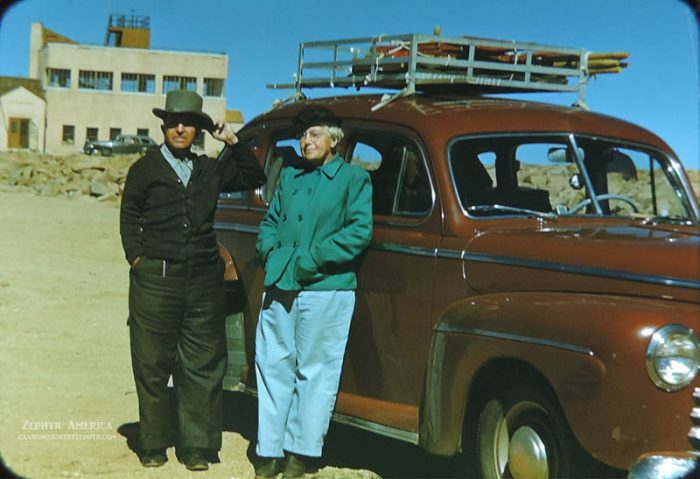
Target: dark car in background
{"type": "Point", "coordinates": [120, 145]}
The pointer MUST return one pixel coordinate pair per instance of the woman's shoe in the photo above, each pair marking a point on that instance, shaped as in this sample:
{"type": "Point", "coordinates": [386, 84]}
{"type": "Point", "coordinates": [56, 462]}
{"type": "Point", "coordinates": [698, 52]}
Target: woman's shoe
{"type": "Point", "coordinates": [269, 468]}
{"type": "Point", "coordinates": [294, 467]}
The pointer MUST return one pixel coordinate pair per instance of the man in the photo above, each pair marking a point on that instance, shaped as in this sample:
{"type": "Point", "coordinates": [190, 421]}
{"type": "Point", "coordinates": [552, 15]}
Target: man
{"type": "Point", "coordinates": [176, 296]}
{"type": "Point", "coordinates": [318, 223]}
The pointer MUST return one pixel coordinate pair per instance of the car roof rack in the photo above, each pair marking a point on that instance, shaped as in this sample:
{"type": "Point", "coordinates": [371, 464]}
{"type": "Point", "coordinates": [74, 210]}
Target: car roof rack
{"type": "Point", "coordinates": [415, 62]}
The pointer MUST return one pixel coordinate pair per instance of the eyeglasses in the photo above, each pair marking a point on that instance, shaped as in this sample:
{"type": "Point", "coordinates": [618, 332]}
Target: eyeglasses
{"type": "Point", "coordinates": [312, 134]}
{"type": "Point", "coordinates": [171, 121]}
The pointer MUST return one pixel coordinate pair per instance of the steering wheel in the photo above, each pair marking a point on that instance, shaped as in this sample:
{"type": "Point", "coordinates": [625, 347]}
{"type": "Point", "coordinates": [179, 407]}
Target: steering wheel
{"type": "Point", "coordinates": [608, 196]}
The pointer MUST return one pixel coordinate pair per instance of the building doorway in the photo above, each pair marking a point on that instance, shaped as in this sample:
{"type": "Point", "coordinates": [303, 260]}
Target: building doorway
{"type": "Point", "coordinates": [18, 133]}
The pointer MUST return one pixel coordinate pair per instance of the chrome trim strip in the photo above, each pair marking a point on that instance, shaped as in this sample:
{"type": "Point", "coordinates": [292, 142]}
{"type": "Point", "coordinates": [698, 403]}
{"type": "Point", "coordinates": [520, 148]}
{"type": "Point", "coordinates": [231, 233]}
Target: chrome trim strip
{"type": "Point", "coordinates": [381, 429]}
{"type": "Point", "coordinates": [241, 228]}
{"type": "Point", "coordinates": [442, 328]}
{"type": "Point", "coordinates": [536, 264]}
{"type": "Point", "coordinates": [400, 248]}
{"type": "Point", "coordinates": [224, 206]}
{"type": "Point", "coordinates": [574, 269]}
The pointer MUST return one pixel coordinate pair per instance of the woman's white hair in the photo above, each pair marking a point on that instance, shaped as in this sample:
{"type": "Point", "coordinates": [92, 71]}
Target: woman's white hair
{"type": "Point", "coordinates": [336, 133]}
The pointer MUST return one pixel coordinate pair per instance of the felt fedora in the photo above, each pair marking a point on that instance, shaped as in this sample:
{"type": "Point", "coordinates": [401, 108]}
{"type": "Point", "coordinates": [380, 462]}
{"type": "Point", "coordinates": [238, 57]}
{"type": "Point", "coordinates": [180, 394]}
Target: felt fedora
{"type": "Point", "coordinates": [185, 102]}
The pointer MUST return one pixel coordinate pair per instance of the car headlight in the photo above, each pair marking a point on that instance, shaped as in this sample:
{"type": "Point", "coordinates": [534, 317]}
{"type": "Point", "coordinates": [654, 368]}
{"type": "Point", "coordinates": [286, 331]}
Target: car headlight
{"type": "Point", "coordinates": [673, 357]}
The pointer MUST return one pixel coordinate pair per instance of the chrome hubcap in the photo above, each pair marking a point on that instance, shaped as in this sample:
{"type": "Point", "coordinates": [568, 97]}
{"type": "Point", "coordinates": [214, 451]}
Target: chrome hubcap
{"type": "Point", "coordinates": [527, 455]}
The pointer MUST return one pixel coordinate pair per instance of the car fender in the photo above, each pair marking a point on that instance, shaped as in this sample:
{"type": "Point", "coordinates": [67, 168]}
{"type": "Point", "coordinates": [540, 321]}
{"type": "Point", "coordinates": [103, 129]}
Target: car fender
{"type": "Point", "coordinates": [588, 348]}
{"type": "Point", "coordinates": [236, 351]}
{"type": "Point", "coordinates": [230, 273]}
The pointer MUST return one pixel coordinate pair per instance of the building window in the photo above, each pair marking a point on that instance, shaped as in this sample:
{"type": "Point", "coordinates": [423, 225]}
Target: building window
{"type": "Point", "coordinates": [68, 135]}
{"type": "Point", "coordinates": [57, 77]}
{"type": "Point", "coordinates": [214, 87]}
{"type": "Point", "coordinates": [171, 82]}
{"type": "Point", "coordinates": [142, 131]}
{"type": "Point", "coordinates": [91, 134]}
{"type": "Point", "coordinates": [90, 80]}
{"type": "Point", "coordinates": [114, 132]}
{"type": "Point", "coordinates": [138, 82]}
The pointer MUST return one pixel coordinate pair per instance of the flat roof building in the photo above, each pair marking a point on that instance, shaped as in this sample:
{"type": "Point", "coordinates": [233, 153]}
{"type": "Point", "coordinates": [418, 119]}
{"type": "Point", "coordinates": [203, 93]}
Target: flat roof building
{"type": "Point", "coordinates": [98, 92]}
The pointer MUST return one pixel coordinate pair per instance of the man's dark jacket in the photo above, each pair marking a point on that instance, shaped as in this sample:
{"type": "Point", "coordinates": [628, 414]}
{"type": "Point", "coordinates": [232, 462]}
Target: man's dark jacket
{"type": "Point", "coordinates": [163, 219]}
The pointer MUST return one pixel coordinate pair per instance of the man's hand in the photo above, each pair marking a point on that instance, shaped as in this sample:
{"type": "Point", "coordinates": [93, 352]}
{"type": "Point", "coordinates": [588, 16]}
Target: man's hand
{"type": "Point", "coordinates": [223, 132]}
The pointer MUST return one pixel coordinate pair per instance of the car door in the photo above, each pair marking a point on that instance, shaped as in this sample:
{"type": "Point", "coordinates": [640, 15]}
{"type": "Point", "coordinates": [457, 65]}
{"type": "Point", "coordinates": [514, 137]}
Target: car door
{"type": "Point", "coordinates": [385, 362]}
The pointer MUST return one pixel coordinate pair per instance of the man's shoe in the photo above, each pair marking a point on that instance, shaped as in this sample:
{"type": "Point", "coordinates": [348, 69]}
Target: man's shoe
{"type": "Point", "coordinates": [269, 468]}
{"type": "Point", "coordinates": [194, 460]}
{"type": "Point", "coordinates": [153, 458]}
{"type": "Point", "coordinates": [294, 467]}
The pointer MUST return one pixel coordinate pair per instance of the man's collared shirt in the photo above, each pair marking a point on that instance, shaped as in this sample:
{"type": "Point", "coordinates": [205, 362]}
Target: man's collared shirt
{"type": "Point", "coordinates": [183, 167]}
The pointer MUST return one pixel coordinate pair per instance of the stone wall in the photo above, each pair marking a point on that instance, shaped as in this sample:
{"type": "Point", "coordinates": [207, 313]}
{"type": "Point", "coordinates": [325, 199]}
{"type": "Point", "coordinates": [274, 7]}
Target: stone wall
{"type": "Point", "coordinates": [75, 175]}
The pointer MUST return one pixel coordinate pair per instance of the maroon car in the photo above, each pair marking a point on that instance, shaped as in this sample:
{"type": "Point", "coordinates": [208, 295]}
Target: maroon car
{"type": "Point", "coordinates": [532, 290]}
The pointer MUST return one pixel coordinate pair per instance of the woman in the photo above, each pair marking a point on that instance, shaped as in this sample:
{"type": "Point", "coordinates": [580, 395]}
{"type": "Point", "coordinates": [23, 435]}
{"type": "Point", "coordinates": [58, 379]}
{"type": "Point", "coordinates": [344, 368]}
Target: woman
{"type": "Point", "coordinates": [318, 223]}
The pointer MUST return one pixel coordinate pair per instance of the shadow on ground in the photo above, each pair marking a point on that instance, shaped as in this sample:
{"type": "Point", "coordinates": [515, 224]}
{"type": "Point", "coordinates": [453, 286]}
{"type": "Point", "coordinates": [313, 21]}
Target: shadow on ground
{"type": "Point", "coordinates": [348, 447]}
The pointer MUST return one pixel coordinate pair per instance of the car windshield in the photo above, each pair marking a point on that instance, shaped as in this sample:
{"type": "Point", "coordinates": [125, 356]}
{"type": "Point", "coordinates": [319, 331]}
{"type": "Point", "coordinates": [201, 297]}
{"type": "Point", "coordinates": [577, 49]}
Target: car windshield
{"type": "Point", "coordinates": [541, 176]}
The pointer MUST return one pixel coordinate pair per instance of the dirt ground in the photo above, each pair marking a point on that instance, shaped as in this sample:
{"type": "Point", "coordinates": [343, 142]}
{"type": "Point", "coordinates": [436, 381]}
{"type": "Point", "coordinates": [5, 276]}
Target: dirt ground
{"type": "Point", "coordinates": [67, 397]}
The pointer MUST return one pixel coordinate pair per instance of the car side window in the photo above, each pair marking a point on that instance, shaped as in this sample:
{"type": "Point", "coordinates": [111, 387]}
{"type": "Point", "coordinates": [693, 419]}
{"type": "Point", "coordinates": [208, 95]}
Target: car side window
{"type": "Point", "coordinates": [400, 179]}
{"type": "Point", "coordinates": [252, 142]}
{"type": "Point", "coordinates": [285, 151]}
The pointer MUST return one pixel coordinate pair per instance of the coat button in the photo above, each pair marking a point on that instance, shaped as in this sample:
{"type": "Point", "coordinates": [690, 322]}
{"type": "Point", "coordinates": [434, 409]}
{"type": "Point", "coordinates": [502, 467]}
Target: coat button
{"type": "Point", "coordinates": [295, 244]}
{"type": "Point", "coordinates": [179, 181]}
{"type": "Point", "coordinates": [284, 217]}
{"type": "Point", "coordinates": [295, 191]}
{"type": "Point", "coordinates": [186, 225]}
{"type": "Point", "coordinates": [299, 217]}
{"type": "Point", "coordinates": [278, 244]}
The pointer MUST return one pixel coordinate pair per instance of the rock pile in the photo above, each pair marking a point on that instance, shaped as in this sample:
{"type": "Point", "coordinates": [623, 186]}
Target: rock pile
{"type": "Point", "coordinates": [74, 175]}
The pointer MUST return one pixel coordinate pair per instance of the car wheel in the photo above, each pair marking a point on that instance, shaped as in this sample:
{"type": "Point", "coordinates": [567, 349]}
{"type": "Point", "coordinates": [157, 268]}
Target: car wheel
{"type": "Point", "coordinates": [106, 152]}
{"type": "Point", "coordinates": [521, 434]}
{"type": "Point", "coordinates": [90, 152]}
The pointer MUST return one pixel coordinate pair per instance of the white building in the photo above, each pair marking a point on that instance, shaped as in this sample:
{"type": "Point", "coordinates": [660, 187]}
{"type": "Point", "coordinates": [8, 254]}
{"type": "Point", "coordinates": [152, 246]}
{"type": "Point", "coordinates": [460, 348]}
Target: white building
{"type": "Point", "coordinates": [97, 92]}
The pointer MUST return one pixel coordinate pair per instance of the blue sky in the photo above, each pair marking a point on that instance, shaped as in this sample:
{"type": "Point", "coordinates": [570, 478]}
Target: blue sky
{"type": "Point", "coordinates": [660, 90]}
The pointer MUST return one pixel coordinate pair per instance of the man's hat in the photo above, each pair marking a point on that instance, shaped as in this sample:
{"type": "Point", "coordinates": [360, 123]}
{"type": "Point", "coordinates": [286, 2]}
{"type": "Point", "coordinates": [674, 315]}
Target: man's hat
{"type": "Point", "coordinates": [314, 115]}
{"type": "Point", "coordinates": [185, 102]}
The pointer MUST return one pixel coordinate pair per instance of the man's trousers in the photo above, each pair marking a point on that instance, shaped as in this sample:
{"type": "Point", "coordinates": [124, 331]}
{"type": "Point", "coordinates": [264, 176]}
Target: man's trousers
{"type": "Point", "coordinates": [176, 322]}
{"type": "Point", "coordinates": [299, 348]}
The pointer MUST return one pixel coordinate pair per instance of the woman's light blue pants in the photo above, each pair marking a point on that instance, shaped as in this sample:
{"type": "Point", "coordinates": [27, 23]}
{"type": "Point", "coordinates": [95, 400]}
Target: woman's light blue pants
{"type": "Point", "coordinates": [299, 348]}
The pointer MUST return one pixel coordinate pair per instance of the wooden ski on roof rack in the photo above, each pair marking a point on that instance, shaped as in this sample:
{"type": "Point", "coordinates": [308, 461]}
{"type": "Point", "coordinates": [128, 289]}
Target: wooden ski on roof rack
{"type": "Point", "coordinates": [415, 62]}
